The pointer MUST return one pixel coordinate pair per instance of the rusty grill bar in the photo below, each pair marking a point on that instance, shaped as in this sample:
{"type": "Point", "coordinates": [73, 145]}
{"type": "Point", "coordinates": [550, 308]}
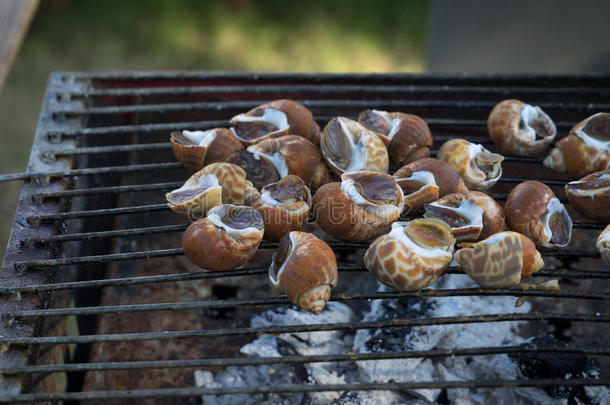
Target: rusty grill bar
{"type": "Point", "coordinates": [101, 147]}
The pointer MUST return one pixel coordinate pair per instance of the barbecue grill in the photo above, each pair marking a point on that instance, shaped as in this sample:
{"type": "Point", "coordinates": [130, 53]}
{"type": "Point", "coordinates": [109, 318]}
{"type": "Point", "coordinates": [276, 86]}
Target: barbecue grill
{"type": "Point", "coordinates": [98, 301]}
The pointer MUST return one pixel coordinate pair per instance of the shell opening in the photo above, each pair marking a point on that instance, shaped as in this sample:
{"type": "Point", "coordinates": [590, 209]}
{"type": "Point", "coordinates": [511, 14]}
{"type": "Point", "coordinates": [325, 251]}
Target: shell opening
{"type": "Point", "coordinates": [381, 122]}
{"type": "Point", "coordinates": [535, 124]}
{"type": "Point", "coordinates": [259, 171]}
{"type": "Point", "coordinates": [258, 123]}
{"type": "Point", "coordinates": [198, 138]}
{"type": "Point", "coordinates": [367, 188]}
{"type": "Point", "coordinates": [557, 224]}
{"type": "Point", "coordinates": [339, 147]}
{"type": "Point", "coordinates": [276, 159]}
{"type": "Point", "coordinates": [596, 131]}
{"type": "Point", "coordinates": [592, 188]}
{"type": "Point", "coordinates": [289, 190]}
{"type": "Point", "coordinates": [193, 187]}
{"type": "Point", "coordinates": [489, 163]}
{"type": "Point", "coordinates": [280, 258]}
{"type": "Point", "coordinates": [416, 182]}
{"type": "Point", "coordinates": [431, 242]}
{"type": "Point", "coordinates": [236, 220]}
{"type": "Point", "coordinates": [465, 214]}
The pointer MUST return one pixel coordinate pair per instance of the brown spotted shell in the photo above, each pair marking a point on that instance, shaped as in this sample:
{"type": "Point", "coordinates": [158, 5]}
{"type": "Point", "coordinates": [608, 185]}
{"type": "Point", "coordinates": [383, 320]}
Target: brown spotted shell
{"type": "Point", "coordinates": [603, 244]}
{"type": "Point", "coordinates": [359, 208]}
{"type": "Point", "coordinates": [305, 268]}
{"type": "Point", "coordinates": [348, 146]}
{"type": "Point", "coordinates": [590, 196]}
{"type": "Point", "coordinates": [479, 168]}
{"type": "Point", "coordinates": [225, 239]}
{"type": "Point", "coordinates": [533, 210]}
{"type": "Point", "coordinates": [585, 150]}
{"type": "Point", "coordinates": [215, 184]}
{"type": "Point", "coordinates": [472, 215]}
{"type": "Point", "coordinates": [445, 176]}
{"type": "Point", "coordinates": [277, 118]}
{"type": "Point", "coordinates": [520, 128]}
{"type": "Point", "coordinates": [289, 154]}
{"type": "Point", "coordinates": [407, 136]}
{"type": "Point", "coordinates": [195, 149]}
{"type": "Point", "coordinates": [412, 256]}
{"type": "Point", "coordinates": [501, 260]}
{"type": "Point", "coordinates": [284, 206]}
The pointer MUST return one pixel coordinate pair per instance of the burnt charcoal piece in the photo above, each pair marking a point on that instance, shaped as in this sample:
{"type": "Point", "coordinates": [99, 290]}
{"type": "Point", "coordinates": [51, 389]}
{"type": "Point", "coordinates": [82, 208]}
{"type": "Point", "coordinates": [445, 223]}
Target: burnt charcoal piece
{"type": "Point", "coordinates": [554, 365]}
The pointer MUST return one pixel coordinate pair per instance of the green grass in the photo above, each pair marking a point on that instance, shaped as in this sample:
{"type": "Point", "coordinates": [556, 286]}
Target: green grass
{"type": "Point", "coordinates": [330, 36]}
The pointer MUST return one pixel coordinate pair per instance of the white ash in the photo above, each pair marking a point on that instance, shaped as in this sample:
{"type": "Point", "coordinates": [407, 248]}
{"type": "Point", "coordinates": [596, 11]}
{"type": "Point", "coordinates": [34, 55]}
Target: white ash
{"type": "Point", "coordinates": [475, 368]}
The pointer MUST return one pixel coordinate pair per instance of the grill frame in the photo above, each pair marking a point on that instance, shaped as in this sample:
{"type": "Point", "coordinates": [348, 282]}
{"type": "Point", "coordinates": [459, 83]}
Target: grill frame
{"type": "Point", "coordinates": [36, 244]}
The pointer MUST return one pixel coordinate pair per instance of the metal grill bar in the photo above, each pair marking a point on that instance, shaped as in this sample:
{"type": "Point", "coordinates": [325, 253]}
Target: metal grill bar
{"type": "Point", "coordinates": [36, 220]}
{"type": "Point", "coordinates": [259, 361]}
{"type": "Point", "coordinates": [173, 228]}
{"type": "Point", "coordinates": [296, 388]}
{"type": "Point", "coordinates": [486, 106]}
{"type": "Point", "coordinates": [343, 326]}
{"type": "Point", "coordinates": [259, 302]}
{"type": "Point", "coordinates": [195, 125]}
{"type": "Point", "coordinates": [167, 278]}
{"type": "Point", "coordinates": [332, 89]}
{"type": "Point", "coordinates": [25, 265]}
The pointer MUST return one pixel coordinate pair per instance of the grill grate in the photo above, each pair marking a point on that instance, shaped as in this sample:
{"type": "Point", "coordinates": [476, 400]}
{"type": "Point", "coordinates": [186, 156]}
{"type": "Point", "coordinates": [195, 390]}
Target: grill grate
{"type": "Point", "coordinates": [91, 225]}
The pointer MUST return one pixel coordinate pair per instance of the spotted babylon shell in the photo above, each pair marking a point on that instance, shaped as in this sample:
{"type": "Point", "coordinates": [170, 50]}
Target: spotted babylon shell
{"type": "Point", "coordinates": [215, 184]}
{"type": "Point", "coordinates": [590, 196]}
{"type": "Point", "coordinates": [195, 149]}
{"type": "Point", "coordinates": [289, 154]}
{"type": "Point", "coordinates": [479, 168]}
{"type": "Point", "coordinates": [585, 150]}
{"type": "Point", "coordinates": [225, 239]}
{"type": "Point", "coordinates": [501, 260]}
{"type": "Point", "coordinates": [412, 256]}
{"type": "Point", "coordinates": [277, 118]}
{"type": "Point", "coordinates": [305, 268]}
{"type": "Point", "coordinates": [419, 188]}
{"type": "Point", "coordinates": [533, 210]}
{"type": "Point", "coordinates": [348, 146]}
{"type": "Point", "coordinates": [445, 176]}
{"type": "Point", "coordinates": [520, 128]}
{"type": "Point", "coordinates": [284, 206]}
{"type": "Point", "coordinates": [603, 244]}
{"type": "Point", "coordinates": [359, 208]}
{"type": "Point", "coordinates": [407, 136]}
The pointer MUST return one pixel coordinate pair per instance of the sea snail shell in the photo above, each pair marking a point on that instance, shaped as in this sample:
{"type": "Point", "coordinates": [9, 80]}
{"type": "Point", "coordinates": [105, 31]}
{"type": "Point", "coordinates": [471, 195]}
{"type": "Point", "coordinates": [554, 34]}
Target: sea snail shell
{"type": "Point", "coordinates": [419, 188]}
{"type": "Point", "coordinates": [501, 260]}
{"type": "Point", "coordinates": [520, 128]}
{"type": "Point", "coordinates": [445, 176]}
{"type": "Point", "coordinates": [585, 150]}
{"type": "Point", "coordinates": [272, 159]}
{"type": "Point", "coordinates": [284, 207]}
{"type": "Point", "coordinates": [533, 210]}
{"type": "Point", "coordinates": [407, 136]}
{"type": "Point", "coordinates": [196, 149]}
{"type": "Point", "coordinates": [305, 268]}
{"type": "Point", "coordinates": [590, 196]}
{"type": "Point", "coordinates": [360, 208]}
{"type": "Point", "coordinates": [603, 244]}
{"type": "Point", "coordinates": [412, 256]}
{"type": "Point", "coordinates": [277, 118]}
{"type": "Point", "coordinates": [215, 184]}
{"type": "Point", "coordinates": [471, 215]}
{"type": "Point", "coordinates": [225, 239]}
{"type": "Point", "coordinates": [348, 146]}
{"type": "Point", "coordinates": [479, 168]}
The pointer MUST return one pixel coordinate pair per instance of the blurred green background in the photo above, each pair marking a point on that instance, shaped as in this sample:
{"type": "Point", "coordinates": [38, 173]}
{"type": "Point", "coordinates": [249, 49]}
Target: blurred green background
{"type": "Point", "coordinates": [274, 35]}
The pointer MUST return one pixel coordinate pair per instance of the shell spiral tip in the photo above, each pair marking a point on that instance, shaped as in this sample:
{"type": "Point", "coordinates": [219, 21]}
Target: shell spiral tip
{"type": "Point", "coordinates": [314, 300]}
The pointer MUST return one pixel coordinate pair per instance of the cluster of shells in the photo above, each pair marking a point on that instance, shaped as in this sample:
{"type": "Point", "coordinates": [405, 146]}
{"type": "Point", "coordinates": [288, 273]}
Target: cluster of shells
{"type": "Point", "coordinates": [262, 177]}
